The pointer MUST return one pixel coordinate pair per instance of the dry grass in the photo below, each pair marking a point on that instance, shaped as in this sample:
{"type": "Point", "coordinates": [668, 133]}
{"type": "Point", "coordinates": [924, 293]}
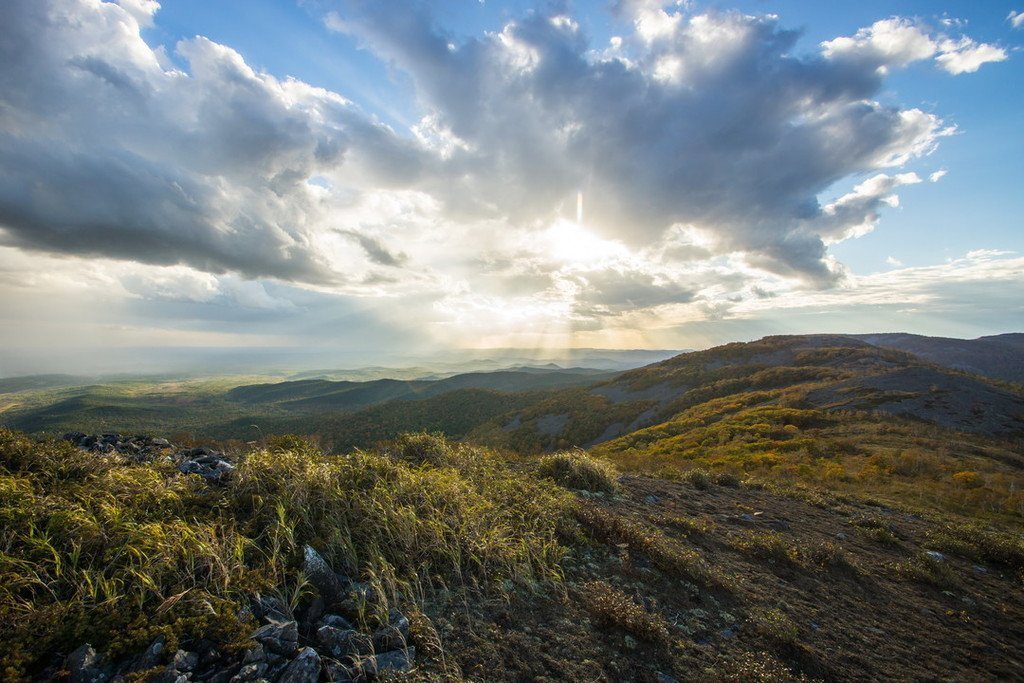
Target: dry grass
{"type": "Point", "coordinates": [577, 470]}
{"type": "Point", "coordinates": [609, 607]}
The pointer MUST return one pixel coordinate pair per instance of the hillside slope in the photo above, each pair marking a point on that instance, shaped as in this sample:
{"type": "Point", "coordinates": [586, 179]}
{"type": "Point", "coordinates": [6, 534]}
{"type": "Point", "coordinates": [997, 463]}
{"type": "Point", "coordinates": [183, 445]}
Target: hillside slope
{"type": "Point", "coordinates": [821, 372]}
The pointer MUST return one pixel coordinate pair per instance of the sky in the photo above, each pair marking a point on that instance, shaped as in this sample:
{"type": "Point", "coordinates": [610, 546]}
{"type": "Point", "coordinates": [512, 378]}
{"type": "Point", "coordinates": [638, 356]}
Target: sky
{"type": "Point", "coordinates": [371, 181]}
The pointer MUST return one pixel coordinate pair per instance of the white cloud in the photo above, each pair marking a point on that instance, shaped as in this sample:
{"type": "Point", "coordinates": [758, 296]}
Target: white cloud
{"type": "Point", "coordinates": [1016, 19]}
{"type": "Point", "coordinates": [898, 42]}
{"type": "Point", "coordinates": [893, 261]}
{"type": "Point", "coordinates": [967, 56]}
{"type": "Point", "coordinates": [936, 176]}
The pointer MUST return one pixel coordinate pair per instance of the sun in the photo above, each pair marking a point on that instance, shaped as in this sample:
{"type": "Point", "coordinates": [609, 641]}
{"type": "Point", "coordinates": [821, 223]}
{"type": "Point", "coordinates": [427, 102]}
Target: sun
{"type": "Point", "coordinates": [572, 244]}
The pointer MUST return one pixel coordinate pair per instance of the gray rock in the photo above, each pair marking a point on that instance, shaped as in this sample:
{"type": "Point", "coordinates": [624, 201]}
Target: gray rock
{"type": "Point", "coordinates": [338, 643]}
{"type": "Point", "coordinates": [268, 608]}
{"type": "Point", "coordinates": [664, 678]}
{"type": "Point", "coordinates": [394, 635]}
{"type": "Point", "coordinates": [778, 525]}
{"type": "Point", "coordinates": [935, 555]}
{"type": "Point", "coordinates": [185, 661]}
{"type": "Point", "coordinates": [305, 668]}
{"type": "Point", "coordinates": [152, 656]}
{"type": "Point", "coordinates": [84, 665]}
{"type": "Point", "coordinates": [339, 673]}
{"type": "Point", "coordinates": [842, 536]}
{"type": "Point", "coordinates": [254, 654]}
{"type": "Point", "coordinates": [337, 621]}
{"type": "Point", "coordinates": [278, 637]}
{"type": "Point", "coordinates": [250, 672]}
{"type": "Point", "coordinates": [160, 443]}
{"type": "Point", "coordinates": [652, 500]}
{"type": "Point", "coordinates": [321, 575]}
{"type": "Point", "coordinates": [399, 661]}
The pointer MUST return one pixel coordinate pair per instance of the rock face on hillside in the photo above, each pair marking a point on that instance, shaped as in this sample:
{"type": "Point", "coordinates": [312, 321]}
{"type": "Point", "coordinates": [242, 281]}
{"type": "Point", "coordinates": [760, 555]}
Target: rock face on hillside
{"type": "Point", "coordinates": [322, 643]}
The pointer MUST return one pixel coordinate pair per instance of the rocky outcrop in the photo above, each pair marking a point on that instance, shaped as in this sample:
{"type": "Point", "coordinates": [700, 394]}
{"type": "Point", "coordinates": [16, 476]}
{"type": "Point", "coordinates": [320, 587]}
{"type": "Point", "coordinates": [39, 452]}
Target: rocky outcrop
{"type": "Point", "coordinates": [212, 465]}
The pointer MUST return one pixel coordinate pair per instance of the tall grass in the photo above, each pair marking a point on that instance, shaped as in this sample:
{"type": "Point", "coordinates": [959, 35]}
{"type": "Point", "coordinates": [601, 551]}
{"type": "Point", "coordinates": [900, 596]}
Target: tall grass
{"type": "Point", "coordinates": [104, 550]}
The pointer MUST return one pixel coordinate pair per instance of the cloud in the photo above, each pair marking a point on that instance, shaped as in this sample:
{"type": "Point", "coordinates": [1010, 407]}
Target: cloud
{"type": "Point", "coordinates": [937, 175]}
{"type": "Point", "coordinates": [375, 250]}
{"type": "Point", "coordinates": [706, 120]}
{"type": "Point", "coordinates": [900, 42]}
{"type": "Point", "coordinates": [1016, 19]}
{"type": "Point", "coordinates": [701, 142]}
{"type": "Point", "coordinates": [106, 152]}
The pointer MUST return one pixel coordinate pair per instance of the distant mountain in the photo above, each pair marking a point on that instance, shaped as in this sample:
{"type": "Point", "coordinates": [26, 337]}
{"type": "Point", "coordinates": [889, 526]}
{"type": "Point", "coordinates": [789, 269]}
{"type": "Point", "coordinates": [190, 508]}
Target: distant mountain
{"type": "Point", "coordinates": [1000, 356]}
{"type": "Point", "coordinates": [323, 395]}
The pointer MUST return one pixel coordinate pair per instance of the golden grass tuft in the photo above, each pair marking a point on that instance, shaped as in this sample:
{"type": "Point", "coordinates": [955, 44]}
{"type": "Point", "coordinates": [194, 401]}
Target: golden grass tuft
{"type": "Point", "coordinates": [577, 470]}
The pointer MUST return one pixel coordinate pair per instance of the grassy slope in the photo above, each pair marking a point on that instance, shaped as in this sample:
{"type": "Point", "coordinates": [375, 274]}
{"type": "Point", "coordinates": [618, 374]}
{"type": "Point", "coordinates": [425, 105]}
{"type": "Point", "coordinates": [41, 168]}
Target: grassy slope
{"type": "Point", "coordinates": [507, 576]}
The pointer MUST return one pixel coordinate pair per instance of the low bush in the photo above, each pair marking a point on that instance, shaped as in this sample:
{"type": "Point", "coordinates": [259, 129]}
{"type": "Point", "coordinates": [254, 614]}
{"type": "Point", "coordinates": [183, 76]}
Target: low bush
{"type": "Point", "coordinates": [578, 470]}
{"type": "Point", "coordinates": [609, 607]}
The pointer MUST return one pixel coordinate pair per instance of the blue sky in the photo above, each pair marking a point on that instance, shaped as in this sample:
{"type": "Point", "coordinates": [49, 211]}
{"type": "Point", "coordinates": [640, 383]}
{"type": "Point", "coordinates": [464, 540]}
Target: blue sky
{"type": "Point", "coordinates": [400, 178]}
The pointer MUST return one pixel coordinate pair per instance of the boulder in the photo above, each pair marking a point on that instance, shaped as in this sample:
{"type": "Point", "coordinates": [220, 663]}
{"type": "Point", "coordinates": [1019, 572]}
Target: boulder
{"type": "Point", "coordinates": [84, 665]}
{"type": "Point", "coordinates": [305, 668]}
{"type": "Point", "coordinates": [321, 575]}
{"type": "Point", "coordinates": [340, 643]}
{"type": "Point", "coordinates": [278, 637]}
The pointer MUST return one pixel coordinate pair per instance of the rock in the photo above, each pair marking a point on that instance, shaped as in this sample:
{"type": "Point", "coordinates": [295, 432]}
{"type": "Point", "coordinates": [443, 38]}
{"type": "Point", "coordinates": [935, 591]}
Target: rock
{"type": "Point", "coordinates": [305, 668]}
{"type": "Point", "coordinates": [74, 437]}
{"type": "Point", "coordinates": [268, 608]}
{"type": "Point", "coordinates": [160, 443]}
{"type": "Point", "coordinates": [398, 661]}
{"type": "Point", "coordinates": [842, 536]}
{"type": "Point", "coordinates": [250, 672]}
{"type": "Point", "coordinates": [778, 525]}
{"type": "Point", "coordinates": [254, 654]}
{"type": "Point", "coordinates": [320, 574]}
{"type": "Point", "coordinates": [340, 673]}
{"type": "Point", "coordinates": [281, 638]}
{"type": "Point", "coordinates": [664, 678]}
{"type": "Point", "coordinates": [652, 500]}
{"type": "Point", "coordinates": [935, 555]}
{"type": "Point", "coordinates": [213, 470]}
{"type": "Point", "coordinates": [338, 643]}
{"type": "Point", "coordinates": [185, 661]}
{"type": "Point", "coordinates": [392, 636]}
{"type": "Point", "coordinates": [152, 656]}
{"type": "Point", "coordinates": [85, 666]}
{"type": "Point", "coordinates": [336, 621]}
{"type": "Point", "coordinates": [979, 569]}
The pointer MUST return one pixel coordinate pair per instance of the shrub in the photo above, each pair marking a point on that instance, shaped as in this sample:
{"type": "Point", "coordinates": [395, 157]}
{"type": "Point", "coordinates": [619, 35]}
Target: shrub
{"type": "Point", "coordinates": [609, 607]}
{"type": "Point", "coordinates": [927, 570]}
{"type": "Point", "coordinates": [727, 479]}
{"type": "Point", "coordinates": [700, 479]}
{"type": "Point", "coordinates": [978, 543]}
{"type": "Point", "coordinates": [774, 625]}
{"type": "Point", "coordinates": [578, 470]}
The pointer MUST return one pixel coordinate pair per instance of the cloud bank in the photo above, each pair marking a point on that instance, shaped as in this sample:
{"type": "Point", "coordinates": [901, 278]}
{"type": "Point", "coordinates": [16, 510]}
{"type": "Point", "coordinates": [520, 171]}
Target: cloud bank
{"type": "Point", "coordinates": [701, 141]}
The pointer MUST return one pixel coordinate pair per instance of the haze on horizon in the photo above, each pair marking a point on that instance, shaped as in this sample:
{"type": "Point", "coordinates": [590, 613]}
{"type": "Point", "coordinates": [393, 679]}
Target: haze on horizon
{"type": "Point", "coordinates": [361, 182]}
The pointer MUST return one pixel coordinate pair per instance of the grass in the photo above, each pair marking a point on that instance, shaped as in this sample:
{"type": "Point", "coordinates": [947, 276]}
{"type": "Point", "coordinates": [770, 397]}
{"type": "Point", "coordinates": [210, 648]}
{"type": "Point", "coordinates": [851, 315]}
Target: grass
{"type": "Point", "coordinates": [609, 607]}
{"type": "Point", "coordinates": [103, 550]}
{"type": "Point", "coordinates": [577, 470]}
{"type": "Point", "coordinates": [664, 553]}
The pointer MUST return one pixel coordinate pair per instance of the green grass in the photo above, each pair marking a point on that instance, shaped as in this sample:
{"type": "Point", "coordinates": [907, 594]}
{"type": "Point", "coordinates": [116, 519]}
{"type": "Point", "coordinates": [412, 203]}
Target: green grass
{"type": "Point", "coordinates": [103, 550]}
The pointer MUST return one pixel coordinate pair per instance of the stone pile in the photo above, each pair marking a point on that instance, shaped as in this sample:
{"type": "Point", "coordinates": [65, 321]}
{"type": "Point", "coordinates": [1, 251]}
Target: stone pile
{"type": "Point", "coordinates": [212, 465]}
{"type": "Point", "coordinates": [320, 644]}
